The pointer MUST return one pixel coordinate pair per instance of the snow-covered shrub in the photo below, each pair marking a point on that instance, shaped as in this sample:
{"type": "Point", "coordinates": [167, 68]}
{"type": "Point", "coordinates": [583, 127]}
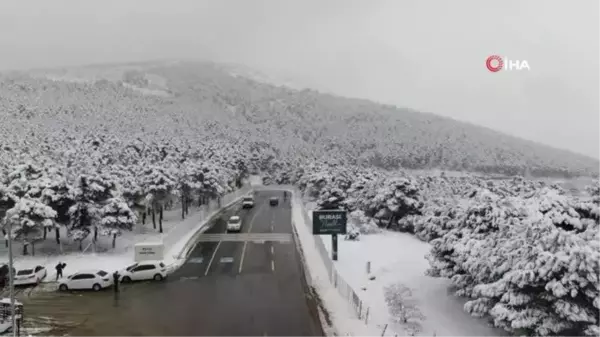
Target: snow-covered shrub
{"type": "Point", "coordinates": [532, 265]}
{"type": "Point", "coordinates": [357, 220]}
{"type": "Point", "coordinates": [399, 197]}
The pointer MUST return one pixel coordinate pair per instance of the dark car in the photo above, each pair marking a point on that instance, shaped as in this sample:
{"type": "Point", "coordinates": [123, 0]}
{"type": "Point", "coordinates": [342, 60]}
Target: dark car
{"type": "Point", "coordinates": [274, 201]}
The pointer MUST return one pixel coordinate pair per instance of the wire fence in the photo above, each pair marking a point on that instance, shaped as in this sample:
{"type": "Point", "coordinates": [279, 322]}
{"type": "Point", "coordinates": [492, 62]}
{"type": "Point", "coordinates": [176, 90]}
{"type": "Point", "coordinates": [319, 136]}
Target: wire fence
{"type": "Point", "coordinates": [361, 308]}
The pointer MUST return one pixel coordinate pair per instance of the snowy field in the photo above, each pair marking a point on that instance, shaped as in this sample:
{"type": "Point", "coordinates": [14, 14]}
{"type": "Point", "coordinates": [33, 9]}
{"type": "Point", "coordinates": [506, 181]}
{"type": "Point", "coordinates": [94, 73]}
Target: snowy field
{"type": "Point", "coordinates": [398, 262]}
{"type": "Point", "coordinates": [175, 237]}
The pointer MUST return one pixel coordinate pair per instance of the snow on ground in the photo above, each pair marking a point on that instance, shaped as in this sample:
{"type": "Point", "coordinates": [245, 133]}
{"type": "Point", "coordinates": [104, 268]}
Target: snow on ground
{"type": "Point", "coordinates": [175, 237]}
{"type": "Point", "coordinates": [255, 180]}
{"type": "Point", "coordinates": [343, 319]}
{"type": "Point", "coordinates": [398, 260]}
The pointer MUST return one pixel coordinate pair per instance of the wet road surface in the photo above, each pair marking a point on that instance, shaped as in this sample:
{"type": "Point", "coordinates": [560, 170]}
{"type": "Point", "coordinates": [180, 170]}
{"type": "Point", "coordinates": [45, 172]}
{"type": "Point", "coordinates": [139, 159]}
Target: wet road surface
{"type": "Point", "coordinates": [248, 283]}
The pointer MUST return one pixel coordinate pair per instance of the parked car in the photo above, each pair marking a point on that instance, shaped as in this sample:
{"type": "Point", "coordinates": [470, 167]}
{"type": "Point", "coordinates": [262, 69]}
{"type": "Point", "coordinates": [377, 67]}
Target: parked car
{"type": "Point", "coordinates": [146, 270]}
{"type": "Point", "coordinates": [86, 279]}
{"type": "Point", "coordinates": [234, 224]}
{"type": "Point", "coordinates": [274, 201]}
{"type": "Point", "coordinates": [29, 276]}
{"type": "Point", "coordinates": [248, 202]}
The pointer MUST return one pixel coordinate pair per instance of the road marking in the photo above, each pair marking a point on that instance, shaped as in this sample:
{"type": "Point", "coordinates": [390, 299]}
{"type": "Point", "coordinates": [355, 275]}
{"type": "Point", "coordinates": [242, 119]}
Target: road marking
{"type": "Point", "coordinates": [242, 259]}
{"type": "Point", "coordinates": [252, 237]}
{"type": "Point", "coordinates": [196, 260]}
{"type": "Point", "coordinates": [272, 265]}
{"type": "Point", "coordinates": [212, 258]}
{"type": "Point", "coordinates": [246, 242]}
{"type": "Point", "coordinates": [228, 259]}
{"type": "Point", "coordinates": [272, 250]}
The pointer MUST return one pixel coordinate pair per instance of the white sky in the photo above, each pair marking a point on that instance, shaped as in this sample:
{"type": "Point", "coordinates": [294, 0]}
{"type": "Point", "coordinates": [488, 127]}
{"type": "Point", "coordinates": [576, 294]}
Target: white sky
{"type": "Point", "coordinates": [424, 54]}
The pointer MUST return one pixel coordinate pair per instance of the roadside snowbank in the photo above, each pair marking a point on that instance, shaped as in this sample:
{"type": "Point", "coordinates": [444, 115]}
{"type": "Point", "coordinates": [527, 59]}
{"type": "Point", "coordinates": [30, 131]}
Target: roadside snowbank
{"type": "Point", "coordinates": [398, 260]}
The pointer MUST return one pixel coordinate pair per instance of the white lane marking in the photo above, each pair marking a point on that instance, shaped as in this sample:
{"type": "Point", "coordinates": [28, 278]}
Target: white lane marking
{"type": "Point", "coordinates": [212, 258]}
{"type": "Point", "coordinates": [272, 250]}
{"type": "Point", "coordinates": [246, 242]}
{"type": "Point", "coordinates": [242, 259]}
{"type": "Point", "coordinates": [272, 265]}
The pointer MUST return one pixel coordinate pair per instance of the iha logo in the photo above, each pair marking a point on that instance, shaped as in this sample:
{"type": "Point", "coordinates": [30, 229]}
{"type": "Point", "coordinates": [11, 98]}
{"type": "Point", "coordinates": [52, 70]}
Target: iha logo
{"type": "Point", "coordinates": [496, 63]}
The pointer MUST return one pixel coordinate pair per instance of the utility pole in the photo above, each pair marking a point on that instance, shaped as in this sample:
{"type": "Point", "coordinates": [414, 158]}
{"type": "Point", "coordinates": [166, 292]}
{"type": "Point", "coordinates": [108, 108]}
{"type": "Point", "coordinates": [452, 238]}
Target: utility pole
{"type": "Point", "coordinates": [11, 284]}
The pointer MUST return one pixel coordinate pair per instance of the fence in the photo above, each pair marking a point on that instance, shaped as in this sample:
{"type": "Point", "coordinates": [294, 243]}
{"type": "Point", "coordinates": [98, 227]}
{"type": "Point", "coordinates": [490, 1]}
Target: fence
{"type": "Point", "coordinates": [362, 310]}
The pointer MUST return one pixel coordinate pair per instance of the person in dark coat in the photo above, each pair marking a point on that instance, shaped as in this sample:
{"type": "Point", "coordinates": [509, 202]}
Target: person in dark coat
{"type": "Point", "coordinates": [3, 275]}
{"type": "Point", "coordinates": [59, 269]}
{"type": "Point", "coordinates": [116, 276]}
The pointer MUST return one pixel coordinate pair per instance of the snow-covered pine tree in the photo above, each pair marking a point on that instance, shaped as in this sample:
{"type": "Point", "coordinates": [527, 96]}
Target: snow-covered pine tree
{"type": "Point", "coordinates": [90, 194]}
{"type": "Point", "coordinates": [27, 180]}
{"type": "Point", "coordinates": [331, 198]}
{"type": "Point", "coordinates": [27, 219]}
{"type": "Point", "coordinates": [130, 188]}
{"type": "Point", "coordinates": [158, 186]}
{"type": "Point", "coordinates": [7, 201]}
{"type": "Point", "coordinates": [399, 197]}
{"type": "Point", "coordinates": [58, 195]}
{"type": "Point", "coordinates": [116, 216]}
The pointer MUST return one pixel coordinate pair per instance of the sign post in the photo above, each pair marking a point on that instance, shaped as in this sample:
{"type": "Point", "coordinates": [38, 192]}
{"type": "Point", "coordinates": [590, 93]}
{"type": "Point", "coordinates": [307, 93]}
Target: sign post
{"type": "Point", "coordinates": [334, 247]}
{"type": "Point", "coordinates": [330, 222]}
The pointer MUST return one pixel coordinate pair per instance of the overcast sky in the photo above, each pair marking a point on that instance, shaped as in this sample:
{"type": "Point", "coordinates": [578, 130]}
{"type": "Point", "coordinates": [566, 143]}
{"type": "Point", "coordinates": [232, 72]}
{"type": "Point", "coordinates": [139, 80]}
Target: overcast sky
{"type": "Point", "coordinates": [423, 54]}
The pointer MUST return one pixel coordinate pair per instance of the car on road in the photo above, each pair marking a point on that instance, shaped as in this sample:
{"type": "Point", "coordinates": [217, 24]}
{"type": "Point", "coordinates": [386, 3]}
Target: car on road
{"type": "Point", "coordinates": [248, 202]}
{"type": "Point", "coordinates": [143, 271]}
{"type": "Point", "coordinates": [86, 279]}
{"type": "Point", "coordinates": [274, 201]}
{"type": "Point", "coordinates": [234, 224]}
{"type": "Point", "coordinates": [29, 276]}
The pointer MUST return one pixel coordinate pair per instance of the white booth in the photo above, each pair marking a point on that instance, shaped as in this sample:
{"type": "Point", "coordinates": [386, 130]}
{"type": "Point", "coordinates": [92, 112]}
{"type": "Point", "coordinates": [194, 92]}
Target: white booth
{"type": "Point", "coordinates": [146, 251]}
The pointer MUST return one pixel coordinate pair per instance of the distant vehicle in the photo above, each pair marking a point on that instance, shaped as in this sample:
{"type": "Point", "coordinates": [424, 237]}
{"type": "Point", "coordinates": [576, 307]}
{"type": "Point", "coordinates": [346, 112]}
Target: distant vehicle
{"type": "Point", "coordinates": [145, 270]}
{"type": "Point", "coordinates": [274, 201]}
{"type": "Point", "coordinates": [248, 202]}
{"type": "Point", "coordinates": [234, 224]}
{"type": "Point", "coordinates": [87, 279]}
{"type": "Point", "coordinates": [30, 276]}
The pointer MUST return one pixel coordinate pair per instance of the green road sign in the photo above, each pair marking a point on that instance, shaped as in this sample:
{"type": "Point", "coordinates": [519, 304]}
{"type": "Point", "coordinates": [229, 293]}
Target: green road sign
{"type": "Point", "coordinates": [329, 222]}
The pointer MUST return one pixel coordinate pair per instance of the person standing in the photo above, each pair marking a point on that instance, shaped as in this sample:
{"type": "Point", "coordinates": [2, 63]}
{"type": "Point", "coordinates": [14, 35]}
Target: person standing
{"type": "Point", "coordinates": [116, 280]}
{"type": "Point", "coordinates": [59, 270]}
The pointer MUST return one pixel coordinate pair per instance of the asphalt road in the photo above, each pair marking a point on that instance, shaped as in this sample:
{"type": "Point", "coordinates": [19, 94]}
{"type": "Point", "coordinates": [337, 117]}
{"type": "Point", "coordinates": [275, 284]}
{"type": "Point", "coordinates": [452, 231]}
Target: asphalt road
{"type": "Point", "coordinates": [249, 287]}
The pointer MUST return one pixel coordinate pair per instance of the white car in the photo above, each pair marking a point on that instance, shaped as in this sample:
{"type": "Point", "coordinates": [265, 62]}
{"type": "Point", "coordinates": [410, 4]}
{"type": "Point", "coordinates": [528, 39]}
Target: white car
{"type": "Point", "coordinates": [248, 202]}
{"type": "Point", "coordinates": [234, 224]}
{"type": "Point", "coordinates": [145, 270]}
{"type": "Point", "coordinates": [86, 279]}
{"type": "Point", "coordinates": [28, 276]}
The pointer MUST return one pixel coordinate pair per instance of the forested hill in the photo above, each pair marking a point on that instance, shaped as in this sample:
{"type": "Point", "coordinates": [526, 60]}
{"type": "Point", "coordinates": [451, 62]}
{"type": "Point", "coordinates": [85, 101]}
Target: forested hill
{"type": "Point", "coordinates": [192, 103]}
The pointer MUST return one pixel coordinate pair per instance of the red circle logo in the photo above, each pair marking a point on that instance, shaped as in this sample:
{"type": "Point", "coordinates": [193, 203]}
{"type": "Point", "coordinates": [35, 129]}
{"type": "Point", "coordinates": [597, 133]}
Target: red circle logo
{"type": "Point", "coordinates": [494, 63]}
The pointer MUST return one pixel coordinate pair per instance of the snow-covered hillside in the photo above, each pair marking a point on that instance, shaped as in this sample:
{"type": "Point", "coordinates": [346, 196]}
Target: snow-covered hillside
{"type": "Point", "coordinates": [203, 101]}
{"type": "Point", "coordinates": [96, 152]}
